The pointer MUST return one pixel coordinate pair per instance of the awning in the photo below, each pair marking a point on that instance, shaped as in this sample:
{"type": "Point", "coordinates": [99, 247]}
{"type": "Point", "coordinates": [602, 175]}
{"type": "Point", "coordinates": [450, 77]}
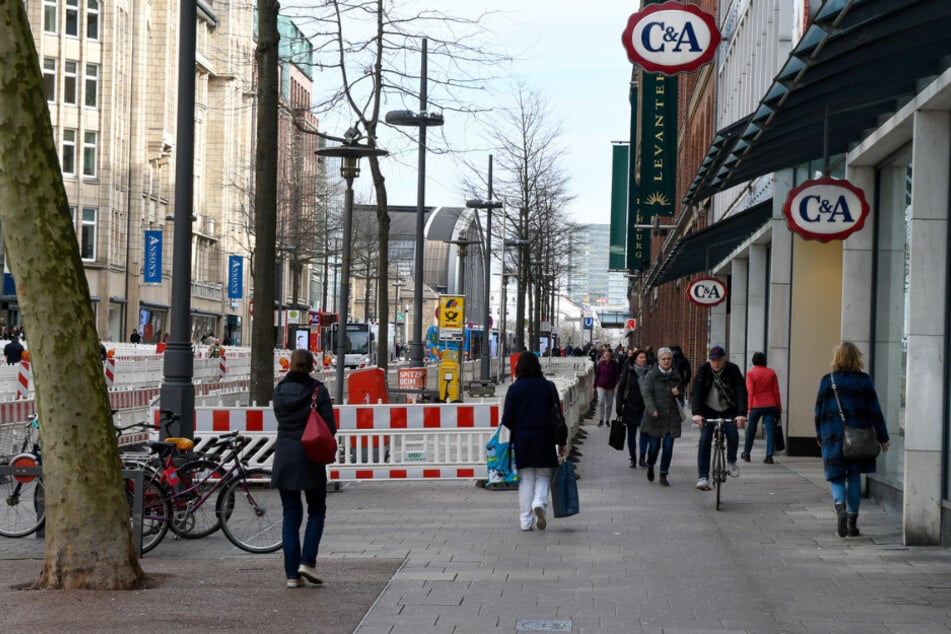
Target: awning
{"type": "Point", "coordinates": [859, 61]}
{"type": "Point", "coordinates": [696, 252]}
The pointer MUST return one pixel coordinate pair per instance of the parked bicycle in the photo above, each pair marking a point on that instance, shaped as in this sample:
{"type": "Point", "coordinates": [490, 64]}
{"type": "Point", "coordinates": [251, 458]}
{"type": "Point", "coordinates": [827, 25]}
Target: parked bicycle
{"type": "Point", "coordinates": [22, 497]}
{"type": "Point", "coordinates": [718, 467]}
{"type": "Point", "coordinates": [248, 510]}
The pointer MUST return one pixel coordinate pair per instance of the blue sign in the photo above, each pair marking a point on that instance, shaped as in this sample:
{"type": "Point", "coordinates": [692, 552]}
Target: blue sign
{"type": "Point", "coordinates": [153, 257]}
{"type": "Point", "coordinates": [588, 323]}
{"type": "Point", "coordinates": [235, 277]}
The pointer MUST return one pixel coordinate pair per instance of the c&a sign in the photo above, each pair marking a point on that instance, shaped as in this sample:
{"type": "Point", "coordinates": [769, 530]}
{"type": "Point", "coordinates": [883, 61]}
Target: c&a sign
{"type": "Point", "coordinates": [671, 38]}
{"type": "Point", "coordinates": [707, 291]}
{"type": "Point", "coordinates": [826, 209]}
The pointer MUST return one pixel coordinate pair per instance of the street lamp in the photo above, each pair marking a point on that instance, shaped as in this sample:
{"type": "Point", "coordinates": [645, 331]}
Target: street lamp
{"type": "Point", "coordinates": [488, 205]}
{"type": "Point", "coordinates": [351, 152]}
{"type": "Point", "coordinates": [397, 284]}
{"type": "Point", "coordinates": [421, 119]}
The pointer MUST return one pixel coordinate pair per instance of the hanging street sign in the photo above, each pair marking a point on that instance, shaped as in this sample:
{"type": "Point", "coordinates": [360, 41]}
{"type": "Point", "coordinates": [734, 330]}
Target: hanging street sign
{"type": "Point", "coordinates": [631, 324]}
{"type": "Point", "coordinates": [671, 38]}
{"type": "Point", "coordinates": [826, 209]}
{"type": "Point", "coordinates": [707, 291]}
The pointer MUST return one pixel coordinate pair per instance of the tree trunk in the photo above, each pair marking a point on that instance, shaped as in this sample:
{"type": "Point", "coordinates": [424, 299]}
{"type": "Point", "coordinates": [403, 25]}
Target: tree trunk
{"type": "Point", "coordinates": [383, 235]}
{"type": "Point", "coordinates": [88, 534]}
{"type": "Point", "coordinates": [265, 206]}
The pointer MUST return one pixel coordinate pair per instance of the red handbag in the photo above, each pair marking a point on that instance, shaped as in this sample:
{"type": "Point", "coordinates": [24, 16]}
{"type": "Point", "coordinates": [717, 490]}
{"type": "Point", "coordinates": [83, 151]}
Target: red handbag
{"type": "Point", "coordinates": [319, 444]}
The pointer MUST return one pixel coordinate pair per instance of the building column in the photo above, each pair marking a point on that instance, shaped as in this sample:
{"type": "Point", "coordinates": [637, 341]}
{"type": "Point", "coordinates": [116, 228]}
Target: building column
{"type": "Point", "coordinates": [925, 389]}
{"type": "Point", "coordinates": [780, 297]}
{"type": "Point", "coordinates": [756, 302]}
{"type": "Point", "coordinates": [736, 346]}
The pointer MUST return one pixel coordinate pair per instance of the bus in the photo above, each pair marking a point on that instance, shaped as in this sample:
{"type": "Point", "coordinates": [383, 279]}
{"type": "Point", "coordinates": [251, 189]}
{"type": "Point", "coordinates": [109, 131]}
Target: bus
{"type": "Point", "coordinates": [359, 345]}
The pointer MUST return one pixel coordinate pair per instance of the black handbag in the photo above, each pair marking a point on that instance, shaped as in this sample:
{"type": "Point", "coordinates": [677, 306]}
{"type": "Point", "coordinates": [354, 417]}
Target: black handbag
{"type": "Point", "coordinates": [779, 440]}
{"type": "Point", "coordinates": [618, 432]}
{"type": "Point", "coordinates": [858, 443]}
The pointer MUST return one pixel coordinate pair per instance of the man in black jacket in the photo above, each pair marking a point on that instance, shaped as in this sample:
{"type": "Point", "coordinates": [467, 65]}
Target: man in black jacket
{"type": "Point", "coordinates": [719, 391]}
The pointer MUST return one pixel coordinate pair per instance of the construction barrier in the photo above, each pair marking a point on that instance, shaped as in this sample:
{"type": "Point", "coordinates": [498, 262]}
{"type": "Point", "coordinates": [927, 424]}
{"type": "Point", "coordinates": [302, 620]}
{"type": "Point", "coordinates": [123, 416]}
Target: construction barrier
{"type": "Point", "coordinates": [110, 369]}
{"type": "Point", "coordinates": [24, 380]}
{"type": "Point", "coordinates": [222, 367]}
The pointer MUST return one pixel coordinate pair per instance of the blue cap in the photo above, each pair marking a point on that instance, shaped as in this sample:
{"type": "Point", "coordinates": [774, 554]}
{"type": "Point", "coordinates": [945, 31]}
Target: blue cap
{"type": "Point", "coordinates": [717, 352]}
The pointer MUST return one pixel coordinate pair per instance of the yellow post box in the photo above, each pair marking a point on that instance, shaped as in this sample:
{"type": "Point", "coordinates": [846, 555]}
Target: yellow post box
{"type": "Point", "coordinates": [449, 377]}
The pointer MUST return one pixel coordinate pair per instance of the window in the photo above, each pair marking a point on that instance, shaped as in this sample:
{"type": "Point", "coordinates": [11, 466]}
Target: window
{"type": "Point", "coordinates": [87, 234]}
{"type": "Point", "coordinates": [49, 78]}
{"type": "Point", "coordinates": [89, 154]}
{"type": "Point", "coordinates": [50, 8]}
{"type": "Point", "coordinates": [72, 18]}
{"type": "Point", "coordinates": [69, 151]}
{"type": "Point", "coordinates": [69, 82]}
{"type": "Point", "coordinates": [92, 19]}
{"type": "Point", "coordinates": [91, 93]}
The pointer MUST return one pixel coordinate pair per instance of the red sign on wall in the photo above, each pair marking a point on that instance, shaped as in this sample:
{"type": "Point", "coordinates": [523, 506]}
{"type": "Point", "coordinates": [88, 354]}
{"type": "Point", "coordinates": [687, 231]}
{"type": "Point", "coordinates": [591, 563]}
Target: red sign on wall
{"type": "Point", "coordinates": [826, 209]}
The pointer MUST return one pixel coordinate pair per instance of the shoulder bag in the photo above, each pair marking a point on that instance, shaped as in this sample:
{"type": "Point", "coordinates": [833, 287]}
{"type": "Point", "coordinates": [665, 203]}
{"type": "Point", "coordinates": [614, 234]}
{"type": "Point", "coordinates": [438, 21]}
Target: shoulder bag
{"type": "Point", "coordinates": [858, 443]}
{"type": "Point", "coordinates": [617, 434]}
{"type": "Point", "coordinates": [319, 444]}
{"type": "Point", "coordinates": [779, 440]}
{"type": "Point", "coordinates": [564, 491]}
{"type": "Point", "coordinates": [558, 418]}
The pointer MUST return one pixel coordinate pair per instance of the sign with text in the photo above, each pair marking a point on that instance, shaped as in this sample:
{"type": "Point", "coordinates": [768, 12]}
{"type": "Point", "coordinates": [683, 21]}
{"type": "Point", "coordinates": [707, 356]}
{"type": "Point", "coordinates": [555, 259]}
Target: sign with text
{"type": "Point", "coordinates": [451, 316]}
{"type": "Point", "coordinates": [671, 38]}
{"type": "Point", "coordinates": [235, 277]}
{"type": "Point", "coordinates": [826, 209]}
{"type": "Point", "coordinates": [707, 291]}
{"type": "Point", "coordinates": [657, 183]}
{"type": "Point", "coordinates": [153, 258]}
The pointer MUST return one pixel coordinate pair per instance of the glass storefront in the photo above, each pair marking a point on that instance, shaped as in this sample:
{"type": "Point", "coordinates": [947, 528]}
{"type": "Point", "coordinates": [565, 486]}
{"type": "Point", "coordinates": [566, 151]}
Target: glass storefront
{"type": "Point", "coordinates": [889, 358]}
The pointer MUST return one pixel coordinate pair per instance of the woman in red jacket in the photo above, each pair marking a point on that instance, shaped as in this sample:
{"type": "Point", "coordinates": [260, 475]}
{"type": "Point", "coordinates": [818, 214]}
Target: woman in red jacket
{"type": "Point", "coordinates": [762, 388]}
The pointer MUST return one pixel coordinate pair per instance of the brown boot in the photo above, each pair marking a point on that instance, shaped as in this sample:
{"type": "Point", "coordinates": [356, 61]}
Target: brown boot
{"type": "Point", "coordinates": [853, 529]}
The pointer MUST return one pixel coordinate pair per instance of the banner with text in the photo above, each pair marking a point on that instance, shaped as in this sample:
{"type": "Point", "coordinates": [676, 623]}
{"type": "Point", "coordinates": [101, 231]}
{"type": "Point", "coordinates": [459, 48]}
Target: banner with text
{"type": "Point", "coordinates": [153, 258]}
{"type": "Point", "coordinates": [618, 240]}
{"type": "Point", "coordinates": [658, 166]}
{"type": "Point", "coordinates": [638, 240]}
{"type": "Point", "coordinates": [235, 277]}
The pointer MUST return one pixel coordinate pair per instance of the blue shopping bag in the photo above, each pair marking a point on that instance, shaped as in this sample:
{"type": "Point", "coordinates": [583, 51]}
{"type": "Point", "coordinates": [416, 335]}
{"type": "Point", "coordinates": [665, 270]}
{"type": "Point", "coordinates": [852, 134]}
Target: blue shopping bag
{"type": "Point", "coordinates": [564, 491]}
{"type": "Point", "coordinates": [499, 460]}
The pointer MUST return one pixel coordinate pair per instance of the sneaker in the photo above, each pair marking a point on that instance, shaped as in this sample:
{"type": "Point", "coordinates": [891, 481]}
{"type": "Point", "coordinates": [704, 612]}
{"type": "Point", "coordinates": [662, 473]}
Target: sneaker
{"type": "Point", "coordinates": [769, 460]}
{"type": "Point", "coordinates": [733, 470]}
{"type": "Point", "coordinates": [295, 583]}
{"type": "Point", "coordinates": [703, 484]}
{"type": "Point", "coordinates": [663, 480]}
{"type": "Point", "coordinates": [745, 457]}
{"type": "Point", "coordinates": [650, 473]}
{"type": "Point", "coordinates": [540, 521]}
{"type": "Point", "coordinates": [310, 573]}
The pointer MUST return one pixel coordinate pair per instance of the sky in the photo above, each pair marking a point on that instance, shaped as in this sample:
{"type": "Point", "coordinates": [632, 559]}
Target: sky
{"type": "Point", "coordinates": [569, 52]}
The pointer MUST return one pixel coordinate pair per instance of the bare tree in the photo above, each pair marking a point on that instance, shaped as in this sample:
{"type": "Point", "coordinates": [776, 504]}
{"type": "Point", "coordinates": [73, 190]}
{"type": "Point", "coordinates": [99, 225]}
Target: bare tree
{"type": "Point", "coordinates": [88, 536]}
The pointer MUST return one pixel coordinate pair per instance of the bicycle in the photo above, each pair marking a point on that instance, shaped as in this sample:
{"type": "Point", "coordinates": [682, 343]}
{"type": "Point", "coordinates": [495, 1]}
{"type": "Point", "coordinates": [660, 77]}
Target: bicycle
{"type": "Point", "coordinates": [22, 497]}
{"type": "Point", "coordinates": [718, 466]}
{"type": "Point", "coordinates": [248, 510]}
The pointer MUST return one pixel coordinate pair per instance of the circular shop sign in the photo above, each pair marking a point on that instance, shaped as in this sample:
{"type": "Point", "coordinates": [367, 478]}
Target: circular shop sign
{"type": "Point", "coordinates": [826, 209]}
{"type": "Point", "coordinates": [707, 291]}
{"type": "Point", "coordinates": [671, 38]}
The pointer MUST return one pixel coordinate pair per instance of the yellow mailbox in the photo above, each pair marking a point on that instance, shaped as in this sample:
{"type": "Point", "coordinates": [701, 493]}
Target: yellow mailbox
{"type": "Point", "coordinates": [449, 377]}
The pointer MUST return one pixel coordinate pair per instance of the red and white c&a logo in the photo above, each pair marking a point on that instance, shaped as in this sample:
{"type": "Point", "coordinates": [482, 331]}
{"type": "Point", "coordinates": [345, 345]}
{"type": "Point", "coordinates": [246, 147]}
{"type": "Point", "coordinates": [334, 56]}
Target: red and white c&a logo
{"type": "Point", "coordinates": [826, 209]}
{"type": "Point", "coordinates": [707, 291]}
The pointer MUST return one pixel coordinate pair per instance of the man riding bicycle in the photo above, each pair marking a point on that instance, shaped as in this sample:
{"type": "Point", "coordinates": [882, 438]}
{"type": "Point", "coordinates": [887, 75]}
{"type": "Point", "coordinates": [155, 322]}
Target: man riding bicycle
{"type": "Point", "coordinates": [719, 391]}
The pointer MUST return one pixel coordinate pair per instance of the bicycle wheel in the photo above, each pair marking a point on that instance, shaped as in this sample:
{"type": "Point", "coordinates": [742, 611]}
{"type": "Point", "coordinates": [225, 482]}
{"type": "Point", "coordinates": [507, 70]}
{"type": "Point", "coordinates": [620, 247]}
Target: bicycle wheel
{"type": "Point", "coordinates": [156, 510]}
{"type": "Point", "coordinates": [191, 519]}
{"type": "Point", "coordinates": [719, 468]}
{"type": "Point", "coordinates": [22, 506]}
{"type": "Point", "coordinates": [251, 513]}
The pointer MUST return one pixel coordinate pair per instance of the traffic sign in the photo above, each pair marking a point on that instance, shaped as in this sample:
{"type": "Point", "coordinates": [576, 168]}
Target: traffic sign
{"type": "Point", "coordinates": [588, 323]}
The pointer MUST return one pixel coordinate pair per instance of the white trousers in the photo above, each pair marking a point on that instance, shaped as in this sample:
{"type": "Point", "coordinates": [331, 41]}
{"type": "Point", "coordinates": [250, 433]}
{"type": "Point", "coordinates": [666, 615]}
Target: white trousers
{"type": "Point", "coordinates": [534, 484]}
{"type": "Point", "coordinates": [605, 404]}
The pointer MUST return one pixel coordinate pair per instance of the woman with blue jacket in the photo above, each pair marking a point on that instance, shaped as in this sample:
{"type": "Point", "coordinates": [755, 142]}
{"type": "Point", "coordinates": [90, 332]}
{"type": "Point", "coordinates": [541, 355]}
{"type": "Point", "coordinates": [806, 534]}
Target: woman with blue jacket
{"type": "Point", "coordinates": [860, 407]}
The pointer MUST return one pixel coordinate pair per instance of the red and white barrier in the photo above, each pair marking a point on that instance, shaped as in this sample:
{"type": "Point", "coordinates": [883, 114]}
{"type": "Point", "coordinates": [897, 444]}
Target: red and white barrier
{"type": "Point", "coordinates": [415, 473]}
{"type": "Point", "coordinates": [24, 379]}
{"type": "Point", "coordinates": [222, 367]}
{"type": "Point", "coordinates": [110, 369]}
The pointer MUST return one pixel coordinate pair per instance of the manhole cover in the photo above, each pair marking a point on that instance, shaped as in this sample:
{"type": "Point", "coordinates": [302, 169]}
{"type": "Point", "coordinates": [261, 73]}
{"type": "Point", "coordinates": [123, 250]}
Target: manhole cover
{"type": "Point", "coordinates": [543, 625]}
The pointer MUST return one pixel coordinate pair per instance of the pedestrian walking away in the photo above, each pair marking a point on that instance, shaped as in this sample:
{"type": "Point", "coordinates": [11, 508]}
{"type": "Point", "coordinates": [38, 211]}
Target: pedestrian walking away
{"type": "Point", "coordinates": [294, 473]}
{"type": "Point", "coordinates": [13, 351]}
{"type": "Point", "coordinates": [719, 391]}
{"type": "Point", "coordinates": [847, 397]}
{"type": "Point", "coordinates": [661, 390]}
{"type": "Point", "coordinates": [762, 389]}
{"type": "Point", "coordinates": [527, 414]}
{"type": "Point", "coordinates": [607, 373]}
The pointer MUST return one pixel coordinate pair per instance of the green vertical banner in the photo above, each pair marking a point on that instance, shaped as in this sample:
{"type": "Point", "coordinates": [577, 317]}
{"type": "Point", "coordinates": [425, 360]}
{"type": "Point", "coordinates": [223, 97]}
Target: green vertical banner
{"type": "Point", "coordinates": [638, 240]}
{"type": "Point", "coordinates": [619, 179]}
{"type": "Point", "coordinates": [658, 171]}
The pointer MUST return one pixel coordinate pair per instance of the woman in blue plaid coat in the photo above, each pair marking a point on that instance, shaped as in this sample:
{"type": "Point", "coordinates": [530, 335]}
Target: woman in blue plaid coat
{"type": "Point", "coordinates": [861, 408]}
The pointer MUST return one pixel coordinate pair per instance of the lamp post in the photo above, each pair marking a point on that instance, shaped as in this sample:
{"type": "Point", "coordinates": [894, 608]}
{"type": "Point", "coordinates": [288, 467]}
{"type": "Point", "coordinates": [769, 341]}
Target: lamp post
{"type": "Point", "coordinates": [396, 307]}
{"type": "Point", "coordinates": [421, 119]}
{"type": "Point", "coordinates": [488, 205]}
{"type": "Point", "coordinates": [351, 153]}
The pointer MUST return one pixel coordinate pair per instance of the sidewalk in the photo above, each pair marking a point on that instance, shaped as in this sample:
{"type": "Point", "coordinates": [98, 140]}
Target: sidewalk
{"type": "Point", "coordinates": [448, 557]}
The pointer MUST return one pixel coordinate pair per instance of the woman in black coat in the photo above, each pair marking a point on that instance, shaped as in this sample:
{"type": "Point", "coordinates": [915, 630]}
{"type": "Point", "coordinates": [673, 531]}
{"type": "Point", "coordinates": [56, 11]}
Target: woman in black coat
{"type": "Point", "coordinates": [630, 406]}
{"type": "Point", "coordinates": [527, 413]}
{"type": "Point", "coordinates": [293, 471]}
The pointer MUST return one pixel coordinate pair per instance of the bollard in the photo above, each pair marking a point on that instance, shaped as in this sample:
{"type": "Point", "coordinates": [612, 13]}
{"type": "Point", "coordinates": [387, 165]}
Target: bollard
{"type": "Point", "coordinates": [23, 380]}
{"type": "Point", "coordinates": [222, 367]}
